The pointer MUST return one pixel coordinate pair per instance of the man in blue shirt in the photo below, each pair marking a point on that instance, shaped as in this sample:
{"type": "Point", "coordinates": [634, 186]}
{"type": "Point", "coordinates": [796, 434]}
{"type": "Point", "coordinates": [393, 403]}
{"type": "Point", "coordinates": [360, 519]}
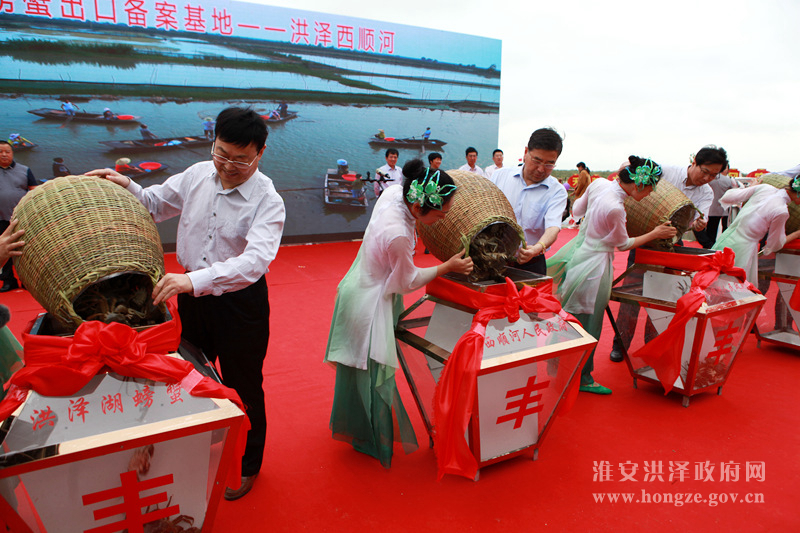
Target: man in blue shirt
{"type": "Point", "coordinates": [538, 199]}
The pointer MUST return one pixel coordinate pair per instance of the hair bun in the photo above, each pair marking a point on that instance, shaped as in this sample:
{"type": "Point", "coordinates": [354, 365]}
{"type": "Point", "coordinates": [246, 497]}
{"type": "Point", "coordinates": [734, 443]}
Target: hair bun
{"type": "Point", "coordinates": [635, 161]}
{"type": "Point", "coordinates": [414, 169]}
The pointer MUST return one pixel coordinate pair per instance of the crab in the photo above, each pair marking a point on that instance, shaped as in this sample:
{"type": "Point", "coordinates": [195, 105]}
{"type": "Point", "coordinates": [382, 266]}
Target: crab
{"type": "Point", "coordinates": [124, 299]}
{"type": "Point", "coordinates": [489, 255]}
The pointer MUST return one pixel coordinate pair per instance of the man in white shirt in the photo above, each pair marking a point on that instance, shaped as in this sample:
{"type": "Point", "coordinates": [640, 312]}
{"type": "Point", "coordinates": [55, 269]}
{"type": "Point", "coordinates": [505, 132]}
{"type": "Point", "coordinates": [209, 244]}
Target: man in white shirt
{"type": "Point", "coordinates": [538, 199]}
{"type": "Point", "coordinates": [472, 159]}
{"type": "Point", "coordinates": [230, 228]}
{"type": "Point", "coordinates": [497, 157]}
{"type": "Point", "coordinates": [791, 173]}
{"type": "Point", "coordinates": [693, 181]}
{"type": "Point", "coordinates": [392, 174]}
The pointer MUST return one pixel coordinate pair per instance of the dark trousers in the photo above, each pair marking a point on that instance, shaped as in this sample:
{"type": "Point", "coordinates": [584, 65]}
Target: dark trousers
{"type": "Point", "coordinates": [233, 328]}
{"type": "Point", "coordinates": [7, 276]}
{"type": "Point", "coordinates": [708, 236]}
{"type": "Point", "coordinates": [628, 315]}
{"type": "Point", "coordinates": [537, 265]}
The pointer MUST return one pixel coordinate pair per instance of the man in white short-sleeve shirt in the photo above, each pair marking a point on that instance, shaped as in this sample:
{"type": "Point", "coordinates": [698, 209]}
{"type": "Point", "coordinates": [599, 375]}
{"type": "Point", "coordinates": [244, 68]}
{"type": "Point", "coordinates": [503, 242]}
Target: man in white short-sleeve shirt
{"type": "Point", "coordinates": [538, 198]}
{"type": "Point", "coordinates": [497, 159]}
{"type": "Point", "coordinates": [472, 160]}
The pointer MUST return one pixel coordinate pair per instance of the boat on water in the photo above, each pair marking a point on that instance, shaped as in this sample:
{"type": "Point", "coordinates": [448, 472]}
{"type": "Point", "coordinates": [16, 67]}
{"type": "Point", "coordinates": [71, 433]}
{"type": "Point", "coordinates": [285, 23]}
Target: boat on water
{"type": "Point", "coordinates": [150, 145]}
{"type": "Point", "coordinates": [339, 191]}
{"type": "Point", "coordinates": [406, 142]}
{"type": "Point", "coordinates": [21, 144]}
{"type": "Point", "coordinates": [82, 116]}
{"type": "Point", "coordinates": [144, 169]}
{"type": "Point", "coordinates": [277, 120]}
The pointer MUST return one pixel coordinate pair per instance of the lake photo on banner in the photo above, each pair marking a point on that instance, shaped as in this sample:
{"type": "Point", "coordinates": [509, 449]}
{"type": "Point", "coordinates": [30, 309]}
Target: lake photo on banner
{"type": "Point", "coordinates": [174, 82]}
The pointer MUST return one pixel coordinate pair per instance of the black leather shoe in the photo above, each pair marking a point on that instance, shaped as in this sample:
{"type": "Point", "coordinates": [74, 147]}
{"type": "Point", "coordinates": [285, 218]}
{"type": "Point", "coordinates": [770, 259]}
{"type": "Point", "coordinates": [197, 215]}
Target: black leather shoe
{"type": "Point", "coordinates": [616, 356]}
{"type": "Point", "coordinates": [247, 484]}
{"type": "Point", "coordinates": [8, 287]}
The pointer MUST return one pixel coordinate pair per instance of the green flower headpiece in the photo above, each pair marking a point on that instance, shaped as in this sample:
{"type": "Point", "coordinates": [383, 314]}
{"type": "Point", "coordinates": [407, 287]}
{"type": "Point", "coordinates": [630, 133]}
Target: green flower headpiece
{"type": "Point", "coordinates": [647, 174]}
{"type": "Point", "coordinates": [428, 191]}
{"type": "Point", "coordinates": [795, 184]}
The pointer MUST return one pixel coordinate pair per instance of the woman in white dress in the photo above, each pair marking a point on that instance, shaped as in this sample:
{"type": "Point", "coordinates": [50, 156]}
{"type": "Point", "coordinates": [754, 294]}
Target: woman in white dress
{"type": "Point", "coordinates": [368, 301]}
{"type": "Point", "coordinates": [583, 269]}
{"type": "Point", "coordinates": [765, 213]}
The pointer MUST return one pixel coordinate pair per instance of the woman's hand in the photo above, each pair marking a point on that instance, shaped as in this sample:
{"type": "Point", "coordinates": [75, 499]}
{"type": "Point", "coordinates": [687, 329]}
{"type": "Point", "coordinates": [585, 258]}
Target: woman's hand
{"type": "Point", "coordinates": [664, 231]}
{"type": "Point", "coordinates": [457, 263]}
{"type": "Point", "coordinates": [529, 252]}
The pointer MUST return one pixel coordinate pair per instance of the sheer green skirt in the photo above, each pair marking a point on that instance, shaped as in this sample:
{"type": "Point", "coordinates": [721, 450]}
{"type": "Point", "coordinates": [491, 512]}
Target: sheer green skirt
{"type": "Point", "coordinates": [363, 403]}
{"type": "Point", "coordinates": [10, 362]}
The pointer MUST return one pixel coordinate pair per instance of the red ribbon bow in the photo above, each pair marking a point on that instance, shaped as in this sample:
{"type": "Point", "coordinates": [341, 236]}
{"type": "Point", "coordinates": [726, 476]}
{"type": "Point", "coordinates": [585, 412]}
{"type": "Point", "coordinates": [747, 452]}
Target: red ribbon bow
{"type": "Point", "coordinates": [62, 366]}
{"type": "Point", "coordinates": [454, 398]}
{"type": "Point", "coordinates": [663, 353]}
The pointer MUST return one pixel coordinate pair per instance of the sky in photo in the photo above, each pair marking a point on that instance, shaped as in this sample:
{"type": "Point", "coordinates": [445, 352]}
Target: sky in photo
{"type": "Point", "coordinates": [621, 77]}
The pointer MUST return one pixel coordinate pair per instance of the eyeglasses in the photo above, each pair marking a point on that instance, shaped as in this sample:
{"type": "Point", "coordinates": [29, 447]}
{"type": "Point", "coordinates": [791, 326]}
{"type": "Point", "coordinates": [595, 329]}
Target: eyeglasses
{"type": "Point", "coordinates": [538, 162]}
{"type": "Point", "coordinates": [707, 173]}
{"type": "Point", "coordinates": [238, 164]}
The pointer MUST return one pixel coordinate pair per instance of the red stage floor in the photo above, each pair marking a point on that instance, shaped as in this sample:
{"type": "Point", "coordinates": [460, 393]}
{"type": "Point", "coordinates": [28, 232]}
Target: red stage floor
{"type": "Point", "coordinates": [310, 482]}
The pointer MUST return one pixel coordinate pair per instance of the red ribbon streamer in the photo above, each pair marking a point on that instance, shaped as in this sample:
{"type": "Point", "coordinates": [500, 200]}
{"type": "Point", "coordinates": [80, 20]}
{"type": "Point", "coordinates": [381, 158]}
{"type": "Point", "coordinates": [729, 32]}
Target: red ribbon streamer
{"type": "Point", "coordinates": [62, 366]}
{"type": "Point", "coordinates": [794, 301]}
{"type": "Point", "coordinates": [454, 397]}
{"type": "Point", "coordinates": [663, 353]}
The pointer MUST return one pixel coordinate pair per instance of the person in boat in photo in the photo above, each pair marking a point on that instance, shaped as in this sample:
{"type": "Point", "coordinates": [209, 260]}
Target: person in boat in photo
{"type": "Point", "coordinates": [426, 134]}
{"type": "Point", "coordinates": [497, 163]}
{"type": "Point", "coordinates": [123, 166]}
{"type": "Point", "coordinates": [388, 174]}
{"type": "Point", "coordinates": [208, 127]}
{"type": "Point", "coordinates": [229, 230]}
{"type": "Point", "coordinates": [471, 165]}
{"type": "Point", "coordinates": [369, 299]}
{"type": "Point", "coordinates": [357, 187]}
{"type": "Point", "coordinates": [146, 133]}
{"type": "Point", "coordinates": [583, 269]}
{"type": "Point", "coordinates": [69, 108]}
{"type": "Point", "coordinates": [435, 160]}
{"type": "Point", "coordinates": [17, 141]}
{"type": "Point", "coordinates": [538, 198]}
{"type": "Point", "coordinates": [283, 110]}
{"type": "Point", "coordinates": [107, 114]}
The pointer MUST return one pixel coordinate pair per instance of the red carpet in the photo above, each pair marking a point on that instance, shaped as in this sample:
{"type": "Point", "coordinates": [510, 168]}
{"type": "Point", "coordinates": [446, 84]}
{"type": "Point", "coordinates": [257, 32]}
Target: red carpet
{"type": "Point", "coordinates": [310, 482]}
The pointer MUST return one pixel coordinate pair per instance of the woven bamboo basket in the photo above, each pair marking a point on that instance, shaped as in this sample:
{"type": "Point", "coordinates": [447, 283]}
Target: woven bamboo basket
{"type": "Point", "coordinates": [480, 213]}
{"type": "Point", "coordinates": [79, 231]}
{"type": "Point", "coordinates": [779, 181]}
{"type": "Point", "coordinates": [665, 204]}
